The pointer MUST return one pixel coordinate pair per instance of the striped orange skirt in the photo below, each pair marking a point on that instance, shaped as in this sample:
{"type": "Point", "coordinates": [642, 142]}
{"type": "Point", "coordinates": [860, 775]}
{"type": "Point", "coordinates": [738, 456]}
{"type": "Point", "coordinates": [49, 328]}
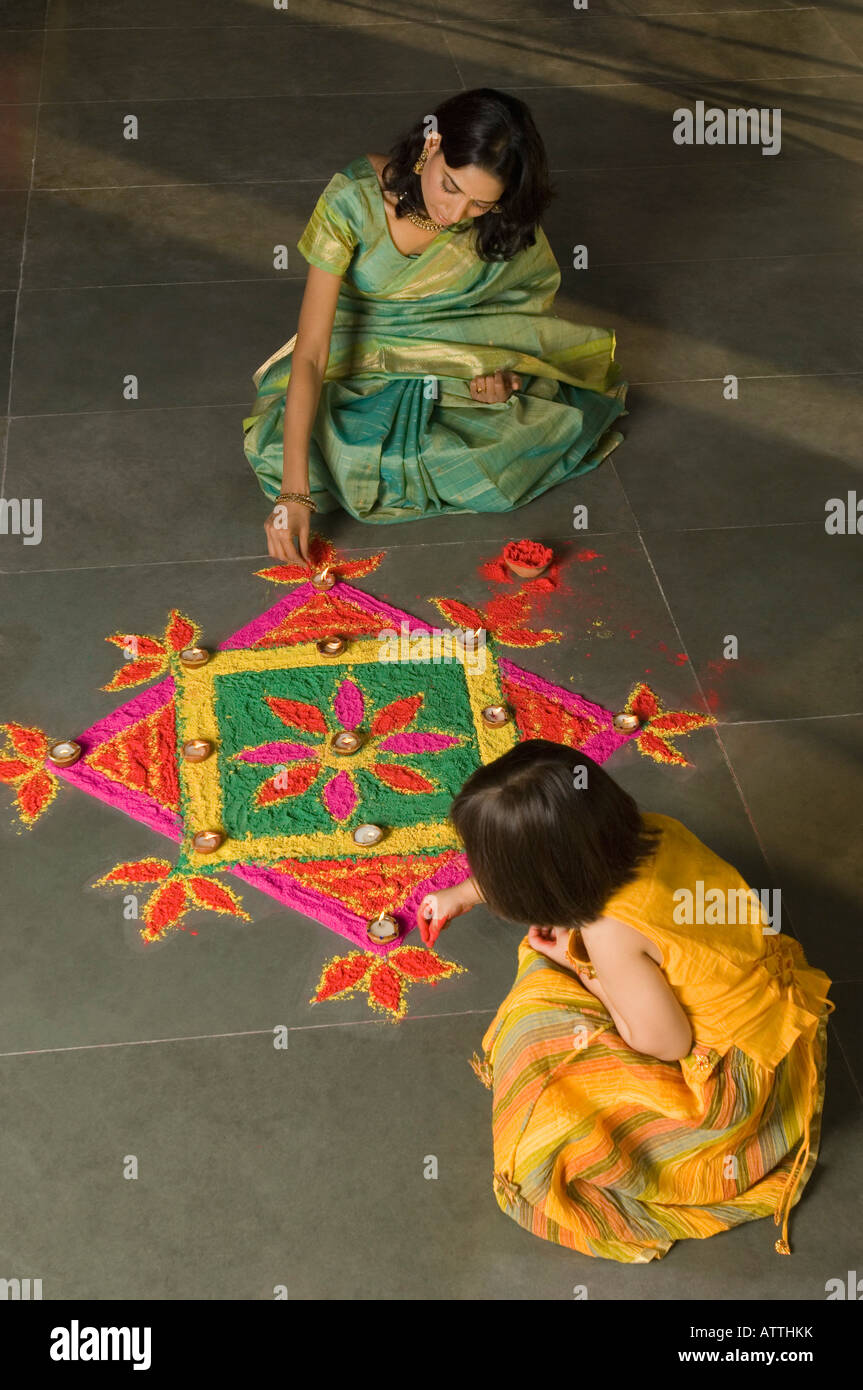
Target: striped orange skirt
{"type": "Point", "coordinates": [618, 1155]}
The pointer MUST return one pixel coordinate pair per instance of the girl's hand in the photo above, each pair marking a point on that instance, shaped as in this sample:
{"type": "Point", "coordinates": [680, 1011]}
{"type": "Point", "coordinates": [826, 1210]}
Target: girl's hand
{"type": "Point", "coordinates": [287, 529]}
{"type": "Point", "coordinates": [438, 909]}
{"type": "Point", "coordinates": [551, 942]}
{"type": "Point", "coordinates": [492, 390]}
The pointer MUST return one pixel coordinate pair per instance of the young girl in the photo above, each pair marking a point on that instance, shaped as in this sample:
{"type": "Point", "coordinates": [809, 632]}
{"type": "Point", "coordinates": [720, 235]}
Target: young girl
{"type": "Point", "coordinates": [654, 1078]}
{"type": "Point", "coordinates": [429, 373]}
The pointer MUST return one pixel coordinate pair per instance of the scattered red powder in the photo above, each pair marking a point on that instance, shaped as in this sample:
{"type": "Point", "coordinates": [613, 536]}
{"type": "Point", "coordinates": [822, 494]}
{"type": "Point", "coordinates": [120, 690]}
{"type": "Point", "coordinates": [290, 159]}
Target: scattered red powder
{"type": "Point", "coordinates": [584, 555]}
{"type": "Point", "coordinates": [679, 658]}
{"type": "Point", "coordinates": [497, 571]}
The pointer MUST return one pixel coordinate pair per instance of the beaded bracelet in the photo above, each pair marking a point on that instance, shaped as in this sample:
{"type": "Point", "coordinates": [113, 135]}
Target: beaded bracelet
{"type": "Point", "coordinates": [303, 498]}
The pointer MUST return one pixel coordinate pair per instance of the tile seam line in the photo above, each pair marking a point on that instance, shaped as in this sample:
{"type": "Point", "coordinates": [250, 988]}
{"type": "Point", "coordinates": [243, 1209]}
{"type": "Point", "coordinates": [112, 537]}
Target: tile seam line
{"type": "Point", "coordinates": [449, 53]}
{"type": "Point", "coordinates": [555, 172]}
{"type": "Point", "coordinates": [267, 1032]}
{"type": "Point", "coordinates": [299, 278]}
{"type": "Point", "coordinates": [392, 21]}
{"type": "Point", "coordinates": [20, 289]}
{"type": "Point", "coordinates": [241, 405]}
{"type": "Point", "coordinates": [716, 727]}
{"type": "Point", "coordinates": [437, 18]}
{"type": "Point", "coordinates": [666, 83]}
{"type": "Point", "coordinates": [395, 545]}
{"type": "Point", "coordinates": [245, 1033]}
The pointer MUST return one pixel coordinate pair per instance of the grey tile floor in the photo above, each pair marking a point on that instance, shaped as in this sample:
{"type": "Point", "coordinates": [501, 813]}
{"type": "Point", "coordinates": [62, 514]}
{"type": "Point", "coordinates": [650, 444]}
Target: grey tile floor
{"type": "Point", "coordinates": [154, 256]}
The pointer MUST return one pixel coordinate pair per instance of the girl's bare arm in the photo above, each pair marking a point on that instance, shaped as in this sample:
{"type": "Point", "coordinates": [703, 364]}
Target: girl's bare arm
{"type": "Point", "coordinates": [645, 1009]}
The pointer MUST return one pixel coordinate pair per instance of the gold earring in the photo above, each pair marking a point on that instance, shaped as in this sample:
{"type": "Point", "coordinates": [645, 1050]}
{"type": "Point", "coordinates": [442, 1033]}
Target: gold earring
{"type": "Point", "coordinates": [420, 164]}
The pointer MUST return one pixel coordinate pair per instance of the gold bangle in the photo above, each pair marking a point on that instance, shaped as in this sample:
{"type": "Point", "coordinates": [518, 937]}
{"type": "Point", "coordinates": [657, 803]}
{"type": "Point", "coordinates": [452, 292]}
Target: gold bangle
{"type": "Point", "coordinates": [303, 498]}
{"type": "Point", "coordinates": [582, 967]}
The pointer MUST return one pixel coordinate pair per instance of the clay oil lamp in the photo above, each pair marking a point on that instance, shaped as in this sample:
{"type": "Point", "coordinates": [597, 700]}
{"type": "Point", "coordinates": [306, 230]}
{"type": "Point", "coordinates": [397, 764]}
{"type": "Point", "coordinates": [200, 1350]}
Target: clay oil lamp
{"type": "Point", "coordinates": [324, 579]}
{"type": "Point", "coordinates": [368, 835]}
{"type": "Point", "coordinates": [208, 841]}
{"type": "Point", "coordinates": [495, 716]}
{"type": "Point", "coordinates": [346, 742]}
{"type": "Point", "coordinates": [626, 723]}
{"type": "Point", "coordinates": [196, 750]}
{"type": "Point", "coordinates": [193, 657]}
{"type": "Point", "coordinates": [383, 930]}
{"type": "Point", "coordinates": [65, 753]}
{"type": "Point", "coordinates": [331, 646]}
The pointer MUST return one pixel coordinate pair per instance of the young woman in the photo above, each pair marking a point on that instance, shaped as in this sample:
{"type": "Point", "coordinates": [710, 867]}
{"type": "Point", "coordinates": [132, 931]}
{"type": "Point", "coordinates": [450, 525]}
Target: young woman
{"type": "Point", "coordinates": [654, 1079]}
{"type": "Point", "coordinates": [428, 373]}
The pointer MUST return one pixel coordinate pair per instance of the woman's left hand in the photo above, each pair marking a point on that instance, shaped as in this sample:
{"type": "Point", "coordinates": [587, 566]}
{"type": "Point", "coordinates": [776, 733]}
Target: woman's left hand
{"type": "Point", "coordinates": [493, 390]}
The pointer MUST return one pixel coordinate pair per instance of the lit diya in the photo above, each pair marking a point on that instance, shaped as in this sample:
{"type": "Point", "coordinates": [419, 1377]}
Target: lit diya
{"type": "Point", "coordinates": [383, 929]}
{"type": "Point", "coordinates": [64, 754]}
{"type": "Point", "coordinates": [527, 559]}
{"type": "Point", "coordinates": [626, 723]}
{"type": "Point", "coordinates": [324, 579]}
{"type": "Point", "coordinates": [368, 835]}
{"type": "Point", "coordinates": [348, 741]}
{"type": "Point", "coordinates": [191, 657]}
{"type": "Point", "coordinates": [331, 646]}
{"type": "Point", "coordinates": [495, 715]}
{"type": "Point", "coordinates": [196, 750]}
{"type": "Point", "coordinates": [207, 841]}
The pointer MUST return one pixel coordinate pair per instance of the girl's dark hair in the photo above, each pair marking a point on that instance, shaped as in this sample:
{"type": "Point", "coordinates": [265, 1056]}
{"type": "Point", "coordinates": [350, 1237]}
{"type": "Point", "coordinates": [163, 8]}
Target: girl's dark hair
{"type": "Point", "coordinates": [495, 132]}
{"type": "Point", "coordinates": [542, 850]}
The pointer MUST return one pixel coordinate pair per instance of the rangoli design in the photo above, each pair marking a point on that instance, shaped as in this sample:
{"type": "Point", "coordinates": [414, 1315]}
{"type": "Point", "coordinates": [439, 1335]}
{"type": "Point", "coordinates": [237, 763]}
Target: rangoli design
{"type": "Point", "coordinates": [284, 800]}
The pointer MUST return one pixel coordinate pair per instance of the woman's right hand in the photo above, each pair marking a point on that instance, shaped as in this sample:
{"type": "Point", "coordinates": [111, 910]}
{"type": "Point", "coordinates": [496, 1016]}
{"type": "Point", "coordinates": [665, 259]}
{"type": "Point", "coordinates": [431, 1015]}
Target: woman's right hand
{"type": "Point", "coordinates": [287, 529]}
{"type": "Point", "coordinates": [438, 909]}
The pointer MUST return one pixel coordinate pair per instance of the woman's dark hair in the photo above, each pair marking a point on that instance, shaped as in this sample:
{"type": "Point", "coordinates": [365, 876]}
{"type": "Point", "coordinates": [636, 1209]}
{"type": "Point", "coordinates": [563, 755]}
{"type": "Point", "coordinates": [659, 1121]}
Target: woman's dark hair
{"type": "Point", "coordinates": [495, 132]}
{"type": "Point", "coordinates": [544, 850]}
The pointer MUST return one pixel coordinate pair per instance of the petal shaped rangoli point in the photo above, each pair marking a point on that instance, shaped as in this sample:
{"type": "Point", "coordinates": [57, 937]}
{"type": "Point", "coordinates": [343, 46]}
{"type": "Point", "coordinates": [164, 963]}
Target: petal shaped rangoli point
{"type": "Point", "coordinates": [340, 796]}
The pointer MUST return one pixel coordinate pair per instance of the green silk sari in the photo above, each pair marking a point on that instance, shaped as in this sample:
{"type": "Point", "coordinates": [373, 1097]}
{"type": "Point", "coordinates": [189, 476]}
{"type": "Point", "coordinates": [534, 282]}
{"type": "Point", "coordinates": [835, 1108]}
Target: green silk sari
{"type": "Point", "coordinates": [397, 434]}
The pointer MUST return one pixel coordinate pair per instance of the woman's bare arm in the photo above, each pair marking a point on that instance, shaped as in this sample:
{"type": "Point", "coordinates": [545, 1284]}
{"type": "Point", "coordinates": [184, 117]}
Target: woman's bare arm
{"type": "Point", "coordinates": [308, 365]}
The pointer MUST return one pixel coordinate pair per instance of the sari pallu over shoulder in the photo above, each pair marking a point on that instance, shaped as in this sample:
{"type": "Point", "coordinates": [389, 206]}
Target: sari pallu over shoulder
{"type": "Point", "coordinates": [447, 313]}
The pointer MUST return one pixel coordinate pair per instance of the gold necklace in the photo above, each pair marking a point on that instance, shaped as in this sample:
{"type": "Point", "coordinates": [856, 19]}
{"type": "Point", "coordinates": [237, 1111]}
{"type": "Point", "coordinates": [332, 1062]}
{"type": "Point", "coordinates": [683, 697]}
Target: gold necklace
{"type": "Point", "coordinates": [426, 224]}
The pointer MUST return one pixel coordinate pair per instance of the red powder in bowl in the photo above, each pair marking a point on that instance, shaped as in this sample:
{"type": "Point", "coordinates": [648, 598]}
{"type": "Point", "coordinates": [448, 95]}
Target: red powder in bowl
{"type": "Point", "coordinates": [528, 553]}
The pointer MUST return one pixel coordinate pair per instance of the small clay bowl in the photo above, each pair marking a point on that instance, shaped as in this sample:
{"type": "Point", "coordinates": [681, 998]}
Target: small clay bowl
{"type": "Point", "coordinates": [525, 571]}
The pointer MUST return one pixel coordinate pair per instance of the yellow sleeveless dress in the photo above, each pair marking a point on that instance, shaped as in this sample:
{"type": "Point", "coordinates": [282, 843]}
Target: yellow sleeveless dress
{"type": "Point", "coordinates": [617, 1154]}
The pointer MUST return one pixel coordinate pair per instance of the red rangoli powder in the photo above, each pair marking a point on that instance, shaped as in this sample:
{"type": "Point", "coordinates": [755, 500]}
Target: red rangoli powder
{"type": "Point", "coordinates": [496, 571]}
{"type": "Point", "coordinates": [527, 553]}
